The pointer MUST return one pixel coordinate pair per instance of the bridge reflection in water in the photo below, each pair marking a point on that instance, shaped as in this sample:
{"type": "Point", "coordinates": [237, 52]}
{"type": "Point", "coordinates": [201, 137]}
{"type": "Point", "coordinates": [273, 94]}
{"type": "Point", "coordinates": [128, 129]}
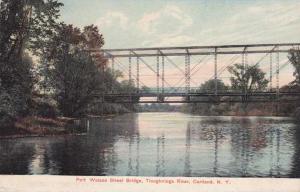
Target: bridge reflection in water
{"type": "Point", "coordinates": [163, 144]}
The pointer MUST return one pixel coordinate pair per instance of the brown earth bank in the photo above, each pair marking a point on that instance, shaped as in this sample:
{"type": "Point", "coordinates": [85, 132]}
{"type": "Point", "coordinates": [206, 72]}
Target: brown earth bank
{"type": "Point", "coordinates": [33, 126]}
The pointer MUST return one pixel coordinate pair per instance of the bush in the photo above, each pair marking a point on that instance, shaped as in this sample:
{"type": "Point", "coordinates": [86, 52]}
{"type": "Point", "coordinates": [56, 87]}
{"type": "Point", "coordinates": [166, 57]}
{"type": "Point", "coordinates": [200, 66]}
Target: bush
{"type": "Point", "coordinates": [46, 110]}
{"type": "Point", "coordinates": [297, 114]}
{"type": "Point", "coordinates": [7, 109]}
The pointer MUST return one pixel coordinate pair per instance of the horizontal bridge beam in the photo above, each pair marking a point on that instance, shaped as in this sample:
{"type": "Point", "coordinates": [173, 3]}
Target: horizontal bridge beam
{"type": "Point", "coordinates": [197, 50]}
{"type": "Point", "coordinates": [211, 101]}
{"type": "Point", "coordinates": [196, 53]}
{"type": "Point", "coordinates": [198, 94]}
{"type": "Point", "coordinates": [206, 47]}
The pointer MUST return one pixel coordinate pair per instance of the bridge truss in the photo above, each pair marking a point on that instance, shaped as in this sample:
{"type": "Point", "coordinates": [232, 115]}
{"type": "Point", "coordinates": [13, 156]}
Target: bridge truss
{"type": "Point", "coordinates": [271, 57]}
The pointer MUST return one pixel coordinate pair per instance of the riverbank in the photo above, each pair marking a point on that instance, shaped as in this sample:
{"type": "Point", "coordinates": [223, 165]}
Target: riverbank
{"type": "Point", "coordinates": [34, 126]}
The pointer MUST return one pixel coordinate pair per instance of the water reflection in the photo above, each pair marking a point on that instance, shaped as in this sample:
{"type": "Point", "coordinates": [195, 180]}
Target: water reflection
{"type": "Point", "coordinates": [163, 144]}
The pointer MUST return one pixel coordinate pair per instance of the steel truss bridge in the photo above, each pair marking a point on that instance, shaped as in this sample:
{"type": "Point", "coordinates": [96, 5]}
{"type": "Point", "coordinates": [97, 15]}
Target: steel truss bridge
{"type": "Point", "coordinates": [141, 66]}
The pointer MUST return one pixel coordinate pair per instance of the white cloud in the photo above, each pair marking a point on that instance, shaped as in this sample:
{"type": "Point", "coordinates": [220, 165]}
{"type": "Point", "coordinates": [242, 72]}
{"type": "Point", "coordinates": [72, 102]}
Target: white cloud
{"type": "Point", "coordinates": [174, 25]}
{"type": "Point", "coordinates": [260, 23]}
{"type": "Point", "coordinates": [145, 24]}
{"type": "Point", "coordinates": [113, 18]}
{"type": "Point", "coordinates": [177, 40]}
{"type": "Point", "coordinates": [165, 26]}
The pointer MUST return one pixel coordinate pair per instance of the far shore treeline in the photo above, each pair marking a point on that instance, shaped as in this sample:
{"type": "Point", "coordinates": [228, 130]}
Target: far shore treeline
{"type": "Point", "coordinates": [48, 76]}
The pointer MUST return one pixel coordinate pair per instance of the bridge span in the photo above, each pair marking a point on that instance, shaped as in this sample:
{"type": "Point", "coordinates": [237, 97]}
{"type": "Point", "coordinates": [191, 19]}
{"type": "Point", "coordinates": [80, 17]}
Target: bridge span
{"type": "Point", "coordinates": [174, 71]}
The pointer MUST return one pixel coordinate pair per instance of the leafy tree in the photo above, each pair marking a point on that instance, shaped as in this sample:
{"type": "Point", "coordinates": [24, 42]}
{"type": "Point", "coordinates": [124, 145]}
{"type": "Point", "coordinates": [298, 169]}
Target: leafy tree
{"type": "Point", "coordinates": [22, 24]}
{"type": "Point", "coordinates": [294, 57]}
{"type": "Point", "coordinates": [210, 85]}
{"type": "Point", "coordinates": [247, 78]}
{"type": "Point", "coordinates": [72, 72]}
{"type": "Point", "coordinates": [207, 108]}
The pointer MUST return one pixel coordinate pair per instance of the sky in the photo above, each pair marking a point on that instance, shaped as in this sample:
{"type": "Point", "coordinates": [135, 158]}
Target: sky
{"type": "Point", "coordinates": [151, 23]}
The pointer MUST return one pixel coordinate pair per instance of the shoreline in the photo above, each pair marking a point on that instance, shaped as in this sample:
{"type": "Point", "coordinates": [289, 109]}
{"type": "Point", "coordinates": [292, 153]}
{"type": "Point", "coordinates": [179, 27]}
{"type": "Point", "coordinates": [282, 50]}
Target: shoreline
{"type": "Point", "coordinates": [34, 126]}
{"type": "Point", "coordinates": [41, 136]}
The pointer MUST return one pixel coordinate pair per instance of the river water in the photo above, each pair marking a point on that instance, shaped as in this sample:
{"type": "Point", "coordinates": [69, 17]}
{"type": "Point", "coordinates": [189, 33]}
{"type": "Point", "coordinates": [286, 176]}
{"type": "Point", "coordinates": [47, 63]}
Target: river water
{"type": "Point", "coordinates": [163, 144]}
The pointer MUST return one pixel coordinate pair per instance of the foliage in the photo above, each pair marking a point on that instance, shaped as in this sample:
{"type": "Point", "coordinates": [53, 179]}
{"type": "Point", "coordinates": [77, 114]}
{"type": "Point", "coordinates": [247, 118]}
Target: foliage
{"type": "Point", "coordinates": [247, 78]}
{"type": "Point", "coordinates": [16, 84]}
{"type": "Point", "coordinates": [158, 107]}
{"type": "Point", "coordinates": [22, 23]}
{"type": "Point", "coordinates": [210, 85]}
{"type": "Point", "coordinates": [73, 74]}
{"type": "Point", "coordinates": [294, 57]}
{"type": "Point", "coordinates": [207, 108]}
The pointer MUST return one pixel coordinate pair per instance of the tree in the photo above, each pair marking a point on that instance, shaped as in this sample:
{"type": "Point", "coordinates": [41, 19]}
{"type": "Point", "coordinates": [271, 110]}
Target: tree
{"type": "Point", "coordinates": [294, 57]}
{"type": "Point", "coordinates": [247, 78]}
{"type": "Point", "coordinates": [72, 72]}
{"type": "Point", "coordinates": [207, 108]}
{"type": "Point", "coordinates": [22, 24]}
{"type": "Point", "coordinates": [210, 85]}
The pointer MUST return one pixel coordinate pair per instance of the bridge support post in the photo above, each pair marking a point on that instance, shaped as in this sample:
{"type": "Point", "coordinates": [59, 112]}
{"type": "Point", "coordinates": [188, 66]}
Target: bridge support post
{"type": "Point", "coordinates": [245, 94]}
{"type": "Point", "coordinates": [245, 65]}
{"type": "Point", "coordinates": [157, 77]}
{"type": "Point", "coordinates": [112, 72]}
{"type": "Point", "coordinates": [129, 69]}
{"type": "Point", "coordinates": [138, 74]}
{"type": "Point", "coordinates": [277, 83]}
{"type": "Point", "coordinates": [187, 72]}
{"type": "Point", "coordinates": [271, 72]}
{"type": "Point", "coordinates": [216, 71]}
{"type": "Point", "coordinates": [163, 75]}
{"type": "Point", "coordinates": [157, 74]}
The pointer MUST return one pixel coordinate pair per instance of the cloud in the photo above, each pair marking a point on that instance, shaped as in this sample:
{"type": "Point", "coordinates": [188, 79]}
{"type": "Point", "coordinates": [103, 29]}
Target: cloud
{"type": "Point", "coordinates": [113, 18]}
{"type": "Point", "coordinates": [165, 26]}
{"type": "Point", "coordinates": [146, 23]}
{"type": "Point", "coordinates": [176, 40]}
{"type": "Point", "coordinates": [259, 23]}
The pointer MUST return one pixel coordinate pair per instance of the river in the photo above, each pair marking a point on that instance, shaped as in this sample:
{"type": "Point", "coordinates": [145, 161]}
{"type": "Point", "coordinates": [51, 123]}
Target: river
{"type": "Point", "coordinates": [163, 144]}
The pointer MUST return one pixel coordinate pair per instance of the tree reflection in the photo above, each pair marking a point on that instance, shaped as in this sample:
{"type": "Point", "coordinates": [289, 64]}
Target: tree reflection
{"type": "Point", "coordinates": [295, 172]}
{"type": "Point", "coordinates": [160, 156]}
{"type": "Point", "coordinates": [209, 130]}
{"type": "Point", "coordinates": [187, 161]}
{"type": "Point", "coordinates": [15, 157]}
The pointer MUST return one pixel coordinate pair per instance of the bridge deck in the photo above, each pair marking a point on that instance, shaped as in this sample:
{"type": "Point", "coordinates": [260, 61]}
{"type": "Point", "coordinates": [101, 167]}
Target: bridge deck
{"type": "Point", "coordinates": [221, 97]}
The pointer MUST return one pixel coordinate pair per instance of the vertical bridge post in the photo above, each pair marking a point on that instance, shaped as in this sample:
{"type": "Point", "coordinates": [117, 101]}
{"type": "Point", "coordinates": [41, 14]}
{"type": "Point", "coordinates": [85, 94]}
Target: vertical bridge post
{"type": "Point", "coordinates": [277, 81]}
{"type": "Point", "coordinates": [245, 66]}
{"type": "Point", "coordinates": [187, 72]}
{"type": "Point", "coordinates": [113, 73]}
{"type": "Point", "coordinates": [163, 75]}
{"type": "Point", "coordinates": [271, 72]}
{"type": "Point", "coordinates": [138, 74]}
{"type": "Point", "coordinates": [216, 71]}
{"type": "Point", "coordinates": [129, 69]}
{"type": "Point", "coordinates": [157, 73]}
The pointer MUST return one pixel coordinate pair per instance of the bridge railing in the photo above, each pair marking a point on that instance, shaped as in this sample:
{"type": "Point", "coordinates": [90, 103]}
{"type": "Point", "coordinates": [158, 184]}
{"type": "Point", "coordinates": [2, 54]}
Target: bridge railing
{"type": "Point", "coordinates": [194, 91]}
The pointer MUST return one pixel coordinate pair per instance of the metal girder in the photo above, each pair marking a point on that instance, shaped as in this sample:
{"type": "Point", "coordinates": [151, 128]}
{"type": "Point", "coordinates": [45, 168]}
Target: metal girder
{"type": "Point", "coordinates": [196, 50]}
{"type": "Point", "coordinates": [211, 101]}
{"type": "Point", "coordinates": [208, 94]}
{"type": "Point", "coordinates": [202, 47]}
{"type": "Point", "coordinates": [216, 71]}
{"type": "Point", "coordinates": [199, 53]}
{"type": "Point", "coordinates": [138, 73]}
